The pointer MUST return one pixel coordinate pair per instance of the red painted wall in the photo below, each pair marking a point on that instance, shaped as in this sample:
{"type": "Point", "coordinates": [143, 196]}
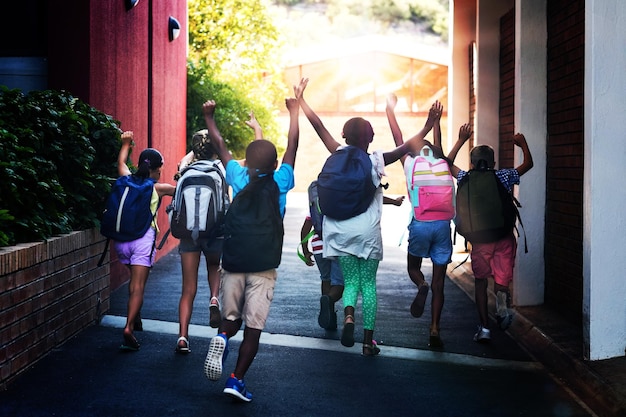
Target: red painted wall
{"type": "Point", "coordinates": [123, 63]}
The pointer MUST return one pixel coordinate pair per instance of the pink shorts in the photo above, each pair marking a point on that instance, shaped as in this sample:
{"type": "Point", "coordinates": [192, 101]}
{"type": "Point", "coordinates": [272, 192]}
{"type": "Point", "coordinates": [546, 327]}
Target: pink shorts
{"type": "Point", "coordinates": [139, 251]}
{"type": "Point", "coordinates": [495, 260]}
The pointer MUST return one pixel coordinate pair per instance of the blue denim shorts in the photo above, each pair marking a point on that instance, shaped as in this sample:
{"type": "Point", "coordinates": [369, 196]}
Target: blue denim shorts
{"type": "Point", "coordinates": [431, 240]}
{"type": "Point", "coordinates": [329, 269]}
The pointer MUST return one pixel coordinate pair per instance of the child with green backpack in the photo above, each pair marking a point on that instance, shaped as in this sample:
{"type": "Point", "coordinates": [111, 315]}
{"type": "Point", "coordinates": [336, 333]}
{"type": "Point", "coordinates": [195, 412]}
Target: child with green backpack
{"type": "Point", "coordinates": [486, 215]}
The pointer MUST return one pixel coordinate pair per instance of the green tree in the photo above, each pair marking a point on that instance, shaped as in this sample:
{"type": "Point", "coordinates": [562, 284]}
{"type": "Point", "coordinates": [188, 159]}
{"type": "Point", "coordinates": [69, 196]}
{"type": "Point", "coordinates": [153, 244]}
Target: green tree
{"type": "Point", "coordinates": [235, 43]}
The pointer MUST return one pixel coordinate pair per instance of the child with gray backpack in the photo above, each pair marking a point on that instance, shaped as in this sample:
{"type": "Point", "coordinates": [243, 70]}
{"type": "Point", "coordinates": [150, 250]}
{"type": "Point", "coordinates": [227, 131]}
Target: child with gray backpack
{"type": "Point", "coordinates": [197, 218]}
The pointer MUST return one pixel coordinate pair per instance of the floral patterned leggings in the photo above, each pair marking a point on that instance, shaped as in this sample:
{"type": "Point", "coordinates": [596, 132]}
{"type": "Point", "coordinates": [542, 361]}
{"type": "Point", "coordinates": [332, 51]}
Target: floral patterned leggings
{"type": "Point", "coordinates": [359, 275]}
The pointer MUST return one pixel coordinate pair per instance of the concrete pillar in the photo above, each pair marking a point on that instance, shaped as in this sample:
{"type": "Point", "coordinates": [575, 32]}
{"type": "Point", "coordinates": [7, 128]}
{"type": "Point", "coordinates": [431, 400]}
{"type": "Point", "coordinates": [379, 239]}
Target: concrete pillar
{"type": "Point", "coordinates": [462, 33]}
{"type": "Point", "coordinates": [604, 240]}
{"type": "Point", "coordinates": [489, 12]}
{"type": "Point", "coordinates": [530, 119]}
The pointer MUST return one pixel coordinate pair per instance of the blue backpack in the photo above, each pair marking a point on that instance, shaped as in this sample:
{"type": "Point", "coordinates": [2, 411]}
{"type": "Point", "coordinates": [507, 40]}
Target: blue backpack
{"type": "Point", "coordinates": [127, 215]}
{"type": "Point", "coordinates": [344, 185]}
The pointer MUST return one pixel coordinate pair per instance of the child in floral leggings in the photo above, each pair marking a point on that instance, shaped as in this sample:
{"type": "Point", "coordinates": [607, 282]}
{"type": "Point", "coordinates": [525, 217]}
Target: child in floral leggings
{"type": "Point", "coordinates": [357, 241]}
{"type": "Point", "coordinates": [359, 276]}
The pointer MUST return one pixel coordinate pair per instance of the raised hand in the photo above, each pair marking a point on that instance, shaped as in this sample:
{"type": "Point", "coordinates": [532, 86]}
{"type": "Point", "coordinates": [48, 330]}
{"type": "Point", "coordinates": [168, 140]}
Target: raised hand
{"type": "Point", "coordinates": [253, 123]}
{"type": "Point", "coordinates": [208, 108]}
{"type": "Point", "coordinates": [465, 132]}
{"type": "Point", "coordinates": [298, 90]}
{"type": "Point", "coordinates": [519, 139]}
{"type": "Point", "coordinates": [392, 101]}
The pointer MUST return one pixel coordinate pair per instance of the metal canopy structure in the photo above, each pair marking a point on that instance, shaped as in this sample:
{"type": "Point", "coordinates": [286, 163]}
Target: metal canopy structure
{"type": "Point", "coordinates": [356, 75]}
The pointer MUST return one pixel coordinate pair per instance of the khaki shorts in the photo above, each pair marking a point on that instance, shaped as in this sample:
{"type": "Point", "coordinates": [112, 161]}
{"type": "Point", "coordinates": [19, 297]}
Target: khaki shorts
{"type": "Point", "coordinates": [248, 296]}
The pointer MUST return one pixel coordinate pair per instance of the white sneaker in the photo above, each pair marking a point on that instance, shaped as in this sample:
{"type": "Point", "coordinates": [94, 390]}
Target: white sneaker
{"type": "Point", "coordinates": [504, 314]}
{"type": "Point", "coordinates": [215, 357]}
{"type": "Point", "coordinates": [483, 335]}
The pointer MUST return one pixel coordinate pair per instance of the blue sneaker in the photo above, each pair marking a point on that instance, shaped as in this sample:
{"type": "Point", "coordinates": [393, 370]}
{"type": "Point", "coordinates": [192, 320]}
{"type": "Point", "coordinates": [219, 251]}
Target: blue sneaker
{"type": "Point", "coordinates": [215, 357]}
{"type": "Point", "coordinates": [237, 389]}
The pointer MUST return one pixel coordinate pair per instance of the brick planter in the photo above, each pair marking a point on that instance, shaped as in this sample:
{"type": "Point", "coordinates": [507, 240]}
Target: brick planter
{"type": "Point", "coordinates": [49, 291]}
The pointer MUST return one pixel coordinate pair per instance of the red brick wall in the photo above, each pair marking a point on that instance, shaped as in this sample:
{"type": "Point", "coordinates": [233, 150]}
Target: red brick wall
{"type": "Point", "coordinates": [49, 291]}
{"type": "Point", "coordinates": [507, 90]}
{"type": "Point", "coordinates": [564, 204]}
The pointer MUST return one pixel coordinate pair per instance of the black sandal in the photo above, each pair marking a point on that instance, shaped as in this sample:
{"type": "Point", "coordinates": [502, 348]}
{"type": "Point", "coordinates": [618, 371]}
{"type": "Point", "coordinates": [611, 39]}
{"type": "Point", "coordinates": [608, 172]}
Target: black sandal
{"type": "Point", "coordinates": [370, 350]}
{"type": "Point", "coordinates": [347, 335]}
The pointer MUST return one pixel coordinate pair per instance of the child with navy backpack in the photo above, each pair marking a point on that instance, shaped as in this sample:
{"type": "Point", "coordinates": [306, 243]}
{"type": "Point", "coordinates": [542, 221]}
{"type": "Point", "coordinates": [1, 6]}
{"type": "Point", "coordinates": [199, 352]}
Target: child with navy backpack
{"type": "Point", "coordinates": [253, 239]}
{"type": "Point", "coordinates": [138, 253]}
{"type": "Point", "coordinates": [355, 239]}
{"type": "Point", "coordinates": [329, 269]}
{"type": "Point", "coordinates": [494, 246]}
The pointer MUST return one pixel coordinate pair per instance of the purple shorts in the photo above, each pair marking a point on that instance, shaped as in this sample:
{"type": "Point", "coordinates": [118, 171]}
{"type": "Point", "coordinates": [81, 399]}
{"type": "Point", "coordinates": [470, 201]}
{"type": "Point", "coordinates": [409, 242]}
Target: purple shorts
{"type": "Point", "coordinates": [139, 251]}
{"type": "Point", "coordinates": [495, 260]}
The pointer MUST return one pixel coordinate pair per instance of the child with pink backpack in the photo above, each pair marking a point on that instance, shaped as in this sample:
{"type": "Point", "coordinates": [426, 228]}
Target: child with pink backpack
{"type": "Point", "coordinates": [430, 187]}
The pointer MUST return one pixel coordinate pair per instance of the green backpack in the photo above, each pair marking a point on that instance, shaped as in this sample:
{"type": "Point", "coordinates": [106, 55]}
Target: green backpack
{"type": "Point", "coordinates": [485, 210]}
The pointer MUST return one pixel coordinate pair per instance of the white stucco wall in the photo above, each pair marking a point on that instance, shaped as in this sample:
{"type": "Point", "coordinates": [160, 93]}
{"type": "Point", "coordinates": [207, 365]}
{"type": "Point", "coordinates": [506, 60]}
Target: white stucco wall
{"type": "Point", "coordinates": [604, 237]}
{"type": "Point", "coordinates": [531, 120]}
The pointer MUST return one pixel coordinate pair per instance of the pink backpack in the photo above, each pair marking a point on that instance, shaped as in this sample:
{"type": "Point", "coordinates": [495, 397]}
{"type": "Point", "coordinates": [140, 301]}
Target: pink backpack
{"type": "Point", "coordinates": [431, 187]}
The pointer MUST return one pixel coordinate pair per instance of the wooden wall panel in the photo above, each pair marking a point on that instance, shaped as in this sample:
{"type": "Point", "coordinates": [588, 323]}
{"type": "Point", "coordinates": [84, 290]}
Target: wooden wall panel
{"type": "Point", "coordinates": [168, 91]}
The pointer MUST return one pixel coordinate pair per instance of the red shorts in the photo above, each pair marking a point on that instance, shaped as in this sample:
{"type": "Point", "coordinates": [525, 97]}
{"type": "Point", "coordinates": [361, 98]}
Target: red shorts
{"type": "Point", "coordinates": [496, 259]}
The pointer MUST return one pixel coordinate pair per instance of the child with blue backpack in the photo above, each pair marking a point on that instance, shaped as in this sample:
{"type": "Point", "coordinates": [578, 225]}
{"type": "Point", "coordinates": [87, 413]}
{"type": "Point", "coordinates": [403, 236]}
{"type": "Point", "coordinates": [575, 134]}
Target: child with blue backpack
{"type": "Point", "coordinates": [138, 254]}
{"type": "Point", "coordinates": [356, 241]}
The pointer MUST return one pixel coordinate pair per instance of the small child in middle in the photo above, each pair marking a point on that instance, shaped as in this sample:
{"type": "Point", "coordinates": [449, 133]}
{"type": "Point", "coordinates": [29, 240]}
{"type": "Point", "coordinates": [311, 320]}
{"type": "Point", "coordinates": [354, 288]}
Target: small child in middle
{"type": "Point", "coordinates": [357, 242]}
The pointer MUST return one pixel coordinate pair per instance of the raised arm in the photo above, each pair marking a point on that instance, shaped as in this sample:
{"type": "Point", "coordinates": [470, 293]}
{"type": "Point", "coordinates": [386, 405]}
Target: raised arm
{"type": "Point", "coordinates": [330, 142]}
{"type": "Point", "coordinates": [254, 124]}
{"type": "Point", "coordinates": [396, 133]}
{"type": "Point", "coordinates": [293, 136]}
{"type": "Point", "coordinates": [437, 125]}
{"type": "Point", "coordinates": [208, 110]}
{"type": "Point", "coordinates": [392, 101]}
{"type": "Point", "coordinates": [465, 132]}
{"type": "Point", "coordinates": [122, 157]}
{"type": "Point", "coordinates": [527, 164]}
{"type": "Point", "coordinates": [416, 142]}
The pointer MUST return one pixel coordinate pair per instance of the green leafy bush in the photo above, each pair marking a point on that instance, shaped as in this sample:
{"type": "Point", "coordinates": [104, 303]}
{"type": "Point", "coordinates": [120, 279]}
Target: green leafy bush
{"type": "Point", "coordinates": [57, 158]}
{"type": "Point", "coordinates": [233, 108]}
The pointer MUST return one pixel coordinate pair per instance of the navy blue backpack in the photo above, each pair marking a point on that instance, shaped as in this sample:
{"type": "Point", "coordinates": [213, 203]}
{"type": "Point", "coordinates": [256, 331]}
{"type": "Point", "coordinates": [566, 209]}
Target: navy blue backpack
{"type": "Point", "coordinates": [344, 185]}
{"type": "Point", "coordinates": [127, 215]}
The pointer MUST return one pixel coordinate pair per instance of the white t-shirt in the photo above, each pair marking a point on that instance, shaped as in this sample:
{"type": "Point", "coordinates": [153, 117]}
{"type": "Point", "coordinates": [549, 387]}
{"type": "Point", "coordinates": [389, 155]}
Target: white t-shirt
{"type": "Point", "coordinates": [361, 235]}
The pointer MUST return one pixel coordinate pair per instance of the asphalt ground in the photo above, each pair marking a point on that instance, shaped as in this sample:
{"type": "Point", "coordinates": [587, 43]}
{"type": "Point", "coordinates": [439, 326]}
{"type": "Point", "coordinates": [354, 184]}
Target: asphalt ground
{"type": "Point", "coordinates": [301, 369]}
